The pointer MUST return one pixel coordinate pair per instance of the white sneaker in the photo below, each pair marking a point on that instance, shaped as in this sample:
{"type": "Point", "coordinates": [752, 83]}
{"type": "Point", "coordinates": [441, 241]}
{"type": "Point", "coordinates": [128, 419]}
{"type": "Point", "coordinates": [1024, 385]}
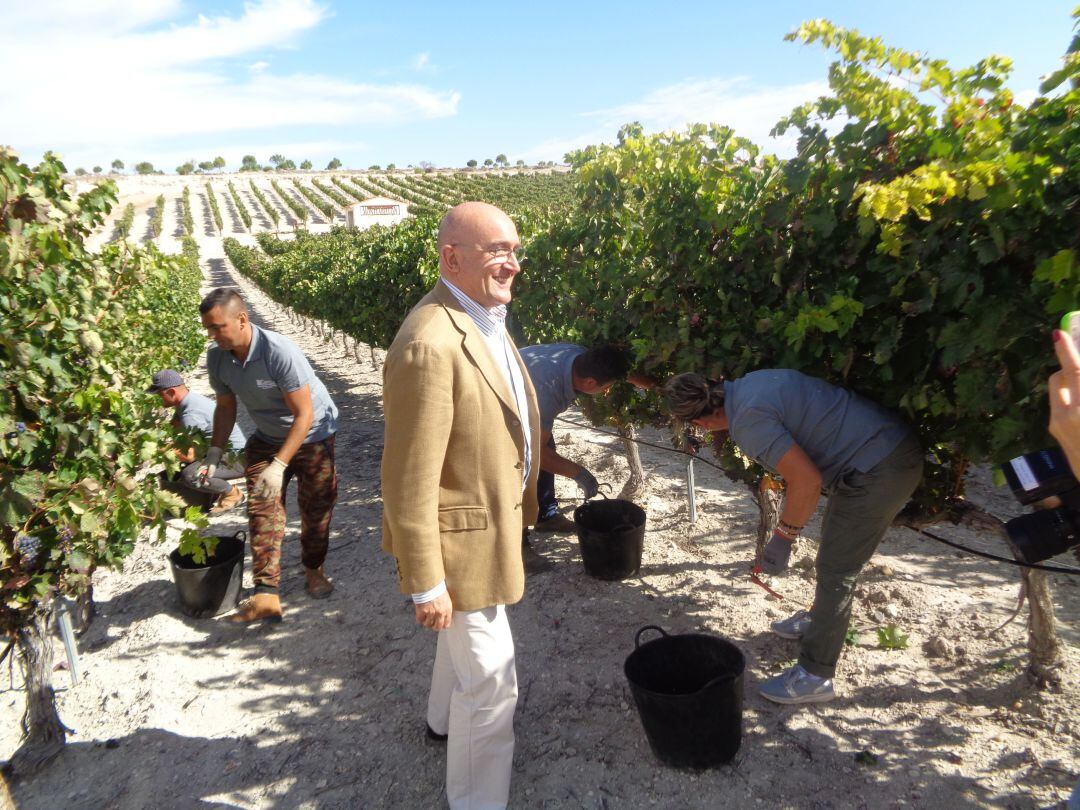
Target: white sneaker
{"type": "Point", "coordinates": [793, 626]}
{"type": "Point", "coordinates": [796, 685]}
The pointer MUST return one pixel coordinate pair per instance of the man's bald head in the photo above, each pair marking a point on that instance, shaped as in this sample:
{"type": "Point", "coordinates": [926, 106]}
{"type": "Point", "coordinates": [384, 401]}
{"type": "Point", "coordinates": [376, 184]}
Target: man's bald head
{"type": "Point", "coordinates": [465, 221]}
{"type": "Point", "coordinates": [478, 252]}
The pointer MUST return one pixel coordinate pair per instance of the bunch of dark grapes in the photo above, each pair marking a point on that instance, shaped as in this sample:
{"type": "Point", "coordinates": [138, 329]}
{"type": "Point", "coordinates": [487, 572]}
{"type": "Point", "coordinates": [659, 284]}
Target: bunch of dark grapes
{"type": "Point", "coordinates": [66, 536]}
{"type": "Point", "coordinates": [29, 548]}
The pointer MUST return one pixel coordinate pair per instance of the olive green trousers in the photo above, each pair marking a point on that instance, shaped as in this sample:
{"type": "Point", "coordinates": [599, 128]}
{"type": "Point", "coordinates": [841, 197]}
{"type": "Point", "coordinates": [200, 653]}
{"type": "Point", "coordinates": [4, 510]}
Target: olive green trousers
{"type": "Point", "coordinates": [860, 509]}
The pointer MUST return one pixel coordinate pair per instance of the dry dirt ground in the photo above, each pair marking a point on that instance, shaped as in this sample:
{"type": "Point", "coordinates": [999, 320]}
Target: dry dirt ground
{"type": "Point", "coordinates": [326, 710]}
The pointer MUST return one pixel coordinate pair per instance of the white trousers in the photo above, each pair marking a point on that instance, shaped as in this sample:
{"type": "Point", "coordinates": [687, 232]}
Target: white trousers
{"type": "Point", "coordinates": [473, 696]}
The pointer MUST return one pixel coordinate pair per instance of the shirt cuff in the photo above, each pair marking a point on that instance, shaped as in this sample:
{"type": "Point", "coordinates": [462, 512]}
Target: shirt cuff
{"type": "Point", "coordinates": [430, 596]}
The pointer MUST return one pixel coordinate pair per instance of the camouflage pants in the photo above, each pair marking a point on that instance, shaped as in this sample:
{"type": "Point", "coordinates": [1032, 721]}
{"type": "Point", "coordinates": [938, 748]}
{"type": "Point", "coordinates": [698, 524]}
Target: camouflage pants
{"type": "Point", "coordinates": [313, 467]}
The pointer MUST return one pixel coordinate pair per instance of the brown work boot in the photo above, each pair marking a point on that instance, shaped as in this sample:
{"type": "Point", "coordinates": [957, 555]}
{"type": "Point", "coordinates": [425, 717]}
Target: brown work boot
{"type": "Point", "coordinates": [557, 523]}
{"type": "Point", "coordinates": [264, 607]}
{"type": "Point", "coordinates": [230, 500]}
{"type": "Point", "coordinates": [318, 585]}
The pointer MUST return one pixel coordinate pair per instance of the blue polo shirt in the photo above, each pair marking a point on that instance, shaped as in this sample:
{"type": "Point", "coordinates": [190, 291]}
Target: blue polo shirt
{"type": "Point", "coordinates": [196, 411]}
{"type": "Point", "coordinates": [551, 369]}
{"type": "Point", "coordinates": [274, 365]}
{"type": "Point", "coordinates": [770, 410]}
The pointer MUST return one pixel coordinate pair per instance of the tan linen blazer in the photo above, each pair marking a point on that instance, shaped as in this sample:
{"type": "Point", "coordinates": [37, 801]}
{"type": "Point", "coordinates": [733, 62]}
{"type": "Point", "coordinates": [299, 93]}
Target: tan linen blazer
{"type": "Point", "coordinates": [453, 456]}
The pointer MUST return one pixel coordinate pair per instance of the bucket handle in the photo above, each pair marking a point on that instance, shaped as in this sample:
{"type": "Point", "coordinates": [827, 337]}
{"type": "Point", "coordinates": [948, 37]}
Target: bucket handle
{"type": "Point", "coordinates": [637, 638]}
{"type": "Point", "coordinates": [600, 492]}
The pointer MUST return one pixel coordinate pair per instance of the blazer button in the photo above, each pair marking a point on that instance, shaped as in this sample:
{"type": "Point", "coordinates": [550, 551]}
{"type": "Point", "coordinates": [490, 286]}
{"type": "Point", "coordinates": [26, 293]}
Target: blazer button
{"type": "Point", "coordinates": [515, 423]}
{"type": "Point", "coordinates": [518, 466]}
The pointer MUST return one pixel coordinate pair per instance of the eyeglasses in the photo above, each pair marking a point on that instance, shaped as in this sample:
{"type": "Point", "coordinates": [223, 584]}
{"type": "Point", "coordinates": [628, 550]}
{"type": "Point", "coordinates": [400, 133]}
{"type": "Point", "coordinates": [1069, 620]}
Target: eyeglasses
{"type": "Point", "coordinates": [500, 253]}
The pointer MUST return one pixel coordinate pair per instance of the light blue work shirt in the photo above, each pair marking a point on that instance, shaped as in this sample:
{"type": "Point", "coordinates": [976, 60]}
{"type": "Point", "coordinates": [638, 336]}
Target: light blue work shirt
{"type": "Point", "coordinates": [770, 410]}
{"type": "Point", "coordinates": [551, 369]}
{"type": "Point", "coordinates": [197, 412]}
{"type": "Point", "coordinates": [274, 365]}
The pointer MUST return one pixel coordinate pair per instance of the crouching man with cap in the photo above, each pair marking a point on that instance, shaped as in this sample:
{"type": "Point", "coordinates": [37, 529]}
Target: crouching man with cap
{"type": "Point", "coordinates": [194, 411]}
{"type": "Point", "coordinates": [295, 425]}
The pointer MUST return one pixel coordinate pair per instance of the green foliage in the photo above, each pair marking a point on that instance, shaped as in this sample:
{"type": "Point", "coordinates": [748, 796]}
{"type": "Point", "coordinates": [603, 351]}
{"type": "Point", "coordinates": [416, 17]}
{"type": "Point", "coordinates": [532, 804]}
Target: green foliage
{"type": "Point", "coordinates": [79, 440]}
{"type": "Point", "coordinates": [361, 282]}
{"type": "Point", "coordinates": [891, 638]}
{"type": "Point", "coordinates": [241, 209]}
{"type": "Point", "coordinates": [320, 203]}
{"type": "Point", "coordinates": [349, 188]}
{"type": "Point", "coordinates": [144, 167]}
{"type": "Point", "coordinates": [917, 253]}
{"type": "Point", "coordinates": [1006, 665]}
{"type": "Point", "coordinates": [851, 638]}
{"type": "Point", "coordinates": [117, 165]}
{"type": "Point", "coordinates": [866, 757]}
{"type": "Point", "coordinates": [185, 168]}
{"type": "Point", "coordinates": [299, 210]}
{"type": "Point", "coordinates": [249, 163]}
{"type": "Point", "coordinates": [122, 229]}
{"type": "Point", "coordinates": [918, 248]}
{"type": "Point", "coordinates": [188, 220]}
{"type": "Point", "coordinates": [265, 203]}
{"type": "Point", "coordinates": [333, 164]}
{"type": "Point", "coordinates": [157, 221]}
{"type": "Point", "coordinates": [212, 198]}
{"type": "Point", "coordinates": [333, 193]}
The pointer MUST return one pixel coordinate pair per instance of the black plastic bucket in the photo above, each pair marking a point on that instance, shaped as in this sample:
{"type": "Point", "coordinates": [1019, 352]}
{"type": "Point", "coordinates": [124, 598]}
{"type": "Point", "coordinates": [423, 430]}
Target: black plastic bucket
{"type": "Point", "coordinates": [214, 587]}
{"type": "Point", "coordinates": [191, 497]}
{"type": "Point", "coordinates": [611, 534]}
{"type": "Point", "coordinates": [689, 693]}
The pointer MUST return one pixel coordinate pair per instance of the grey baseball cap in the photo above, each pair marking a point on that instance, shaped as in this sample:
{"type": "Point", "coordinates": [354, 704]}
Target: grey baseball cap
{"type": "Point", "coordinates": [165, 379]}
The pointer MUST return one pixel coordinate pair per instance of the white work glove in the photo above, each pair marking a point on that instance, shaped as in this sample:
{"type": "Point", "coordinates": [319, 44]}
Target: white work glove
{"type": "Point", "coordinates": [268, 484]}
{"type": "Point", "coordinates": [588, 483]}
{"type": "Point", "coordinates": [209, 465]}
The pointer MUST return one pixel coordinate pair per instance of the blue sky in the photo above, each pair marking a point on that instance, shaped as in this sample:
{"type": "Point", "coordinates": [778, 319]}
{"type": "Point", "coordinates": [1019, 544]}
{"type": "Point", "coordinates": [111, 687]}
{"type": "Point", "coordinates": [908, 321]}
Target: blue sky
{"type": "Point", "coordinates": [404, 82]}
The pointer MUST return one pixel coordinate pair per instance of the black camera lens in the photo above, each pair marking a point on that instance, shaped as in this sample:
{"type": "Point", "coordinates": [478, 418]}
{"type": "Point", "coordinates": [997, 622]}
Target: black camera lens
{"type": "Point", "coordinates": [1040, 535]}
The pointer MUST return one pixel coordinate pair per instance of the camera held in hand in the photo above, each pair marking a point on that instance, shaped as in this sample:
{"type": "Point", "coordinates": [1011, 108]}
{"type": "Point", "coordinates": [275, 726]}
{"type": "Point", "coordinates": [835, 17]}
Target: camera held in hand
{"type": "Point", "coordinates": [1046, 532]}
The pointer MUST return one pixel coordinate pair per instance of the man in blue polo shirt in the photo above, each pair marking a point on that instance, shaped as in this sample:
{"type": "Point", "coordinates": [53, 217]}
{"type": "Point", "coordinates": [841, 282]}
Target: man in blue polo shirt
{"type": "Point", "coordinates": [559, 373]}
{"type": "Point", "coordinates": [295, 425]}
{"type": "Point", "coordinates": [196, 412]}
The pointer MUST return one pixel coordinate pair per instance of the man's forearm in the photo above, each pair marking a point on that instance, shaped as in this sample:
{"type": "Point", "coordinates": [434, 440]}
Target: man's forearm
{"type": "Point", "coordinates": [800, 502]}
{"type": "Point", "coordinates": [301, 426]}
{"type": "Point", "coordinates": [224, 421]}
{"type": "Point", "coordinates": [552, 462]}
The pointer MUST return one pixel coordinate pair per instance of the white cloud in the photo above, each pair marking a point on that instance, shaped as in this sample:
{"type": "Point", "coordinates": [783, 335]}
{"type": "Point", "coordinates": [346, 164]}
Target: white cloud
{"type": "Point", "coordinates": [420, 61]}
{"type": "Point", "coordinates": [751, 111]}
{"type": "Point", "coordinates": [734, 102]}
{"type": "Point", "coordinates": [99, 15]}
{"type": "Point", "coordinates": [131, 76]}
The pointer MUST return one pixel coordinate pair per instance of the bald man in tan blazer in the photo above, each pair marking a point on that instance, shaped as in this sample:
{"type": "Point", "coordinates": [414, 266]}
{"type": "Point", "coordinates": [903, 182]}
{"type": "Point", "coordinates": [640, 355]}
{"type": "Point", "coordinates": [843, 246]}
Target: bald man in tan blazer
{"type": "Point", "coordinates": [460, 462]}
